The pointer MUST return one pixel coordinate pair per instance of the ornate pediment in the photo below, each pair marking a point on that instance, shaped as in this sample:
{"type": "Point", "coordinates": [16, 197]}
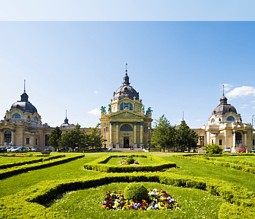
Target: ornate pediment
{"type": "Point", "coordinates": [125, 115]}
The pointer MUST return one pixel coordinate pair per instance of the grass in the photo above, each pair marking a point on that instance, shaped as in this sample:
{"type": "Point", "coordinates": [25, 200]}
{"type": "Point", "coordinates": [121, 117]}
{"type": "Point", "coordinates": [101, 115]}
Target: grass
{"type": "Point", "coordinates": [141, 160]}
{"type": "Point", "coordinates": [68, 170]}
{"type": "Point", "coordinates": [199, 168]}
{"type": "Point", "coordinates": [10, 160]}
{"type": "Point", "coordinates": [87, 203]}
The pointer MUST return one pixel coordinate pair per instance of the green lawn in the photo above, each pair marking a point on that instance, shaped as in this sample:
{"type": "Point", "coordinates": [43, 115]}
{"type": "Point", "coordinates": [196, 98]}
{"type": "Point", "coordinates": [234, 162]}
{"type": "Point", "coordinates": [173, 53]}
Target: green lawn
{"type": "Point", "coordinates": [84, 203]}
{"type": "Point", "coordinates": [141, 160]}
{"type": "Point", "coordinates": [87, 202]}
{"type": "Point", "coordinates": [199, 168]}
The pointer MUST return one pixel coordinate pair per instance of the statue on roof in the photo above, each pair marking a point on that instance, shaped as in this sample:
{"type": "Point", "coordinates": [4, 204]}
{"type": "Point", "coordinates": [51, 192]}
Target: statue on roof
{"type": "Point", "coordinates": [148, 111]}
{"type": "Point", "coordinates": [103, 110]}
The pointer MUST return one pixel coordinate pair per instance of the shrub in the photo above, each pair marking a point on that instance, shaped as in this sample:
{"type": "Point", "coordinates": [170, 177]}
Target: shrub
{"type": "Point", "coordinates": [136, 191]}
{"type": "Point", "coordinates": [213, 149]}
{"type": "Point", "coordinates": [130, 160]}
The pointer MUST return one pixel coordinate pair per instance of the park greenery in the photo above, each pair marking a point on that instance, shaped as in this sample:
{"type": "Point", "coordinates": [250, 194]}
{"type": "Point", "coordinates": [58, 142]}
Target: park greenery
{"type": "Point", "coordinates": [68, 190]}
{"type": "Point", "coordinates": [213, 149]}
{"type": "Point", "coordinates": [173, 138]}
{"type": "Point", "coordinates": [75, 139]}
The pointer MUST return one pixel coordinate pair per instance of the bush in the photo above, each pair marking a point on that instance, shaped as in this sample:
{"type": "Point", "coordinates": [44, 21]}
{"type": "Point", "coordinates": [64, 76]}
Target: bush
{"type": "Point", "coordinates": [130, 160]}
{"type": "Point", "coordinates": [136, 191]}
{"type": "Point", "coordinates": [213, 149]}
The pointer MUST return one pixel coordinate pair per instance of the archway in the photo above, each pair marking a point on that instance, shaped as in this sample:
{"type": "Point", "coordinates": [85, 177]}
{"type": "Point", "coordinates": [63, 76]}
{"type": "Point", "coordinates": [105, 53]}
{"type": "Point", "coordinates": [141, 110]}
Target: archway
{"type": "Point", "coordinates": [8, 137]}
{"type": "Point", "coordinates": [239, 140]}
{"type": "Point", "coordinates": [126, 142]}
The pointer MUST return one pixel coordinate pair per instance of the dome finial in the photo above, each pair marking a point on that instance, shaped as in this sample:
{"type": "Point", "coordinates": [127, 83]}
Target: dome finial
{"type": "Point", "coordinates": [24, 86]}
{"type": "Point", "coordinates": [223, 99]}
{"type": "Point", "coordinates": [66, 120]}
{"type": "Point", "coordinates": [126, 78]}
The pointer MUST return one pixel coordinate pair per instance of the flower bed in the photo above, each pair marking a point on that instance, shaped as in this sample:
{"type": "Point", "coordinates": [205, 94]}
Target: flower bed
{"type": "Point", "coordinates": [157, 199]}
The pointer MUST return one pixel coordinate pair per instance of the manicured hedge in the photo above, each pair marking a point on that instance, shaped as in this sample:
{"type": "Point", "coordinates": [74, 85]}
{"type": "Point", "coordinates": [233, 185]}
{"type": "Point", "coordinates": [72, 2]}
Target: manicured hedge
{"type": "Point", "coordinates": [101, 165]}
{"type": "Point", "coordinates": [21, 169]}
{"type": "Point", "coordinates": [25, 203]}
{"type": "Point", "coordinates": [238, 166]}
{"type": "Point", "coordinates": [5, 166]}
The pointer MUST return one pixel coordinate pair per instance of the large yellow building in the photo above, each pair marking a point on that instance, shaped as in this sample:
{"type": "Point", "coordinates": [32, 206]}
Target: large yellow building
{"type": "Point", "coordinates": [125, 124]}
{"type": "Point", "coordinates": [22, 125]}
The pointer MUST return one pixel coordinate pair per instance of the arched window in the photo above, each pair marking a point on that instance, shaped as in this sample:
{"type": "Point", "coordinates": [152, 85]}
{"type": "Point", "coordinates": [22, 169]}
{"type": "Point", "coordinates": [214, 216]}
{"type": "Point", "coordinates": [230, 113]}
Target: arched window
{"type": "Point", "coordinates": [36, 119]}
{"type": "Point", "coordinates": [16, 116]}
{"type": "Point", "coordinates": [126, 128]}
{"type": "Point", "coordinates": [126, 105]}
{"type": "Point", "coordinates": [230, 119]}
{"type": "Point", "coordinates": [212, 120]}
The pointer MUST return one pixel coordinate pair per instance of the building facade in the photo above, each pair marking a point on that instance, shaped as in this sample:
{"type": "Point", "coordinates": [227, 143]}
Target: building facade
{"type": "Point", "coordinates": [22, 125]}
{"type": "Point", "coordinates": [125, 124]}
{"type": "Point", "coordinates": [226, 128]}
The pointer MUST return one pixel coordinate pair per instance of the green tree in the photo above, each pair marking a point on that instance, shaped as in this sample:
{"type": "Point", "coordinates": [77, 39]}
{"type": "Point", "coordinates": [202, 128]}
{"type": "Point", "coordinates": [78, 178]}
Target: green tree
{"type": "Point", "coordinates": [73, 138]}
{"type": "Point", "coordinates": [55, 137]}
{"type": "Point", "coordinates": [163, 135]}
{"type": "Point", "coordinates": [186, 138]}
{"type": "Point", "coordinates": [95, 138]}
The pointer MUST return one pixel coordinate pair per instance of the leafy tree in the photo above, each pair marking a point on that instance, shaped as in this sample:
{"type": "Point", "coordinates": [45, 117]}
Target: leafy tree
{"type": "Point", "coordinates": [163, 135]}
{"type": "Point", "coordinates": [186, 138]}
{"type": "Point", "coordinates": [73, 138]}
{"type": "Point", "coordinates": [95, 138]}
{"type": "Point", "coordinates": [213, 149]}
{"type": "Point", "coordinates": [55, 137]}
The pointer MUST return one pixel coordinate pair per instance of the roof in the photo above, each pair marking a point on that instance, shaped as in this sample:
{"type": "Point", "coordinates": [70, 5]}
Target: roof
{"type": "Point", "coordinates": [24, 104]}
{"type": "Point", "coordinates": [224, 107]}
{"type": "Point", "coordinates": [126, 90]}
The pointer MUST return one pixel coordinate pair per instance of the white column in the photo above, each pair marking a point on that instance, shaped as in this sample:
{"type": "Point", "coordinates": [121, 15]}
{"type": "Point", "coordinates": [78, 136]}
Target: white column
{"type": "Point", "coordinates": [226, 139]}
{"type": "Point", "coordinates": [245, 138]}
{"type": "Point", "coordinates": [12, 141]}
{"type": "Point", "coordinates": [234, 141]}
{"type": "Point", "coordinates": [110, 131]}
{"type": "Point", "coordinates": [135, 143]}
{"type": "Point", "coordinates": [117, 135]}
{"type": "Point", "coordinates": [141, 134]}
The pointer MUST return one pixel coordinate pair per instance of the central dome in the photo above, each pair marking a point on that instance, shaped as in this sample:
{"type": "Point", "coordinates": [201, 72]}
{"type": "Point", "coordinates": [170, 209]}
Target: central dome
{"type": "Point", "coordinates": [126, 90]}
{"type": "Point", "coordinates": [24, 104]}
{"type": "Point", "coordinates": [224, 107]}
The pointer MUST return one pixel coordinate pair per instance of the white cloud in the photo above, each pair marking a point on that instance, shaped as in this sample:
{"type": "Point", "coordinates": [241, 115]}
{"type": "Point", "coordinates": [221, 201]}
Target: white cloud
{"type": "Point", "coordinates": [241, 91]}
{"type": "Point", "coordinates": [95, 91]}
{"type": "Point", "coordinates": [95, 112]}
{"type": "Point", "coordinates": [227, 87]}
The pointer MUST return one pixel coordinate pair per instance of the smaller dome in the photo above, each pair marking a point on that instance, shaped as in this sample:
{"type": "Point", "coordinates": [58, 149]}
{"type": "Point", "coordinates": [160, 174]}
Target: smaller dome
{"type": "Point", "coordinates": [224, 107]}
{"type": "Point", "coordinates": [24, 104]}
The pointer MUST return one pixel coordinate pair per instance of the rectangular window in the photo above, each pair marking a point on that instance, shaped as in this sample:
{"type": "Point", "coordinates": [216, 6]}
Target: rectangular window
{"type": "Point", "coordinates": [220, 142]}
{"type": "Point", "coordinates": [36, 141]}
{"type": "Point", "coordinates": [202, 140]}
{"type": "Point", "coordinates": [27, 140]}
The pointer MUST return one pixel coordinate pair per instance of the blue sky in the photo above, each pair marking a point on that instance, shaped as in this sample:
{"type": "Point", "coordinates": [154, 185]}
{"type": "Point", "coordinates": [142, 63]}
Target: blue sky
{"type": "Point", "coordinates": [176, 66]}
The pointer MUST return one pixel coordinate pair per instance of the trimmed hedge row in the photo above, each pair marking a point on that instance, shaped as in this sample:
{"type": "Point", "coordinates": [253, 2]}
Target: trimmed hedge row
{"type": "Point", "coordinates": [5, 166]}
{"type": "Point", "coordinates": [22, 169]}
{"type": "Point", "coordinates": [25, 203]}
{"type": "Point", "coordinates": [101, 165]}
{"type": "Point", "coordinates": [233, 165]}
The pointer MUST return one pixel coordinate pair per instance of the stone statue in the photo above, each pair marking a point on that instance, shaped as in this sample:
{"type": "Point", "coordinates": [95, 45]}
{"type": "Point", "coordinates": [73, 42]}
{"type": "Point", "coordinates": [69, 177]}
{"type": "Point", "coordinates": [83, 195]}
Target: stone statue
{"type": "Point", "coordinates": [103, 109]}
{"type": "Point", "coordinates": [149, 110]}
